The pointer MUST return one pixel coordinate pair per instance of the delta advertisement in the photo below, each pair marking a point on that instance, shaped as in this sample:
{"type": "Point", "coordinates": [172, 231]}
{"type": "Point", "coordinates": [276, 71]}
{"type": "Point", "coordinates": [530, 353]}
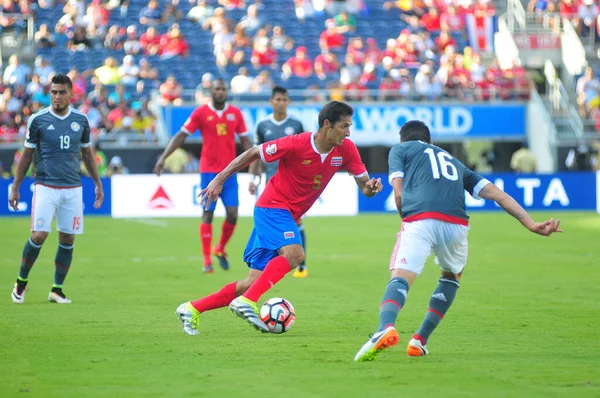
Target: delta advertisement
{"type": "Point", "coordinates": [133, 196]}
{"type": "Point", "coordinates": [379, 125]}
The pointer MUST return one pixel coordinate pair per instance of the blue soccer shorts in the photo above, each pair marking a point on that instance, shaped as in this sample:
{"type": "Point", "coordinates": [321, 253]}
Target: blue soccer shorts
{"type": "Point", "coordinates": [229, 194]}
{"type": "Point", "coordinates": [273, 229]}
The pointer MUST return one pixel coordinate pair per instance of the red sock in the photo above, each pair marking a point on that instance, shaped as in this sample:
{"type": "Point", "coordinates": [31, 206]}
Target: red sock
{"type": "Point", "coordinates": [220, 299]}
{"type": "Point", "coordinates": [206, 239]}
{"type": "Point", "coordinates": [273, 273]}
{"type": "Point", "coordinates": [226, 232]}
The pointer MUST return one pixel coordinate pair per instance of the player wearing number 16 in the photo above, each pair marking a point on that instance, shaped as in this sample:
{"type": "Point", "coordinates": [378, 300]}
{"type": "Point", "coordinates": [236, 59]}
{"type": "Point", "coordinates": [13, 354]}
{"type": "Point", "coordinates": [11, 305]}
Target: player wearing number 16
{"type": "Point", "coordinates": [60, 138]}
{"type": "Point", "coordinates": [307, 162]}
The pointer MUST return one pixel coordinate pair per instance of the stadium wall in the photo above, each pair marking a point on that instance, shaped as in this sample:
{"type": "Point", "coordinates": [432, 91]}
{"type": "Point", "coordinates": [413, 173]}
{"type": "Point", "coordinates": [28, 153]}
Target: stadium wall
{"type": "Point", "coordinates": [129, 196]}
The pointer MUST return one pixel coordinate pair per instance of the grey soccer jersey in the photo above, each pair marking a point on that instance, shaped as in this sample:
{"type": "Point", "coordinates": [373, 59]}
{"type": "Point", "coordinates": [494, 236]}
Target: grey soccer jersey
{"type": "Point", "coordinates": [433, 180]}
{"type": "Point", "coordinates": [58, 140]}
{"type": "Point", "coordinates": [270, 129]}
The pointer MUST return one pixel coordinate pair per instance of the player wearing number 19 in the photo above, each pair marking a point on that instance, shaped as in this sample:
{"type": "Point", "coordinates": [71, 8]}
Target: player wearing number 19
{"type": "Point", "coordinates": [429, 187]}
{"type": "Point", "coordinates": [60, 138]}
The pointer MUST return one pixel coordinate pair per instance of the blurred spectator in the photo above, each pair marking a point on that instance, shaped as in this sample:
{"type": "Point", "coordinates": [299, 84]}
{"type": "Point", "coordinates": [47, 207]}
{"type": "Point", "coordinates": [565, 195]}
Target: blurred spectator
{"type": "Point", "coordinates": [304, 9]}
{"type": "Point", "coordinates": [326, 64]}
{"type": "Point", "coordinates": [99, 95]}
{"type": "Point", "coordinates": [44, 38]}
{"type": "Point", "coordinates": [217, 22]}
{"type": "Point", "coordinates": [150, 15]}
{"type": "Point", "coordinates": [143, 124]}
{"type": "Point", "coordinates": [240, 37]}
{"type": "Point", "coordinates": [229, 54]}
{"type": "Point", "coordinates": [176, 162]}
{"type": "Point", "coordinates": [350, 71]}
{"type": "Point", "coordinates": [262, 83]}
{"type": "Point", "coordinates": [452, 22]}
{"type": "Point", "coordinates": [43, 69]}
{"type": "Point", "coordinates": [118, 96]}
{"type": "Point", "coordinates": [34, 85]}
{"type": "Point", "coordinates": [299, 65]}
{"type": "Point", "coordinates": [330, 38]}
{"type": "Point", "coordinates": [431, 20]}
{"type": "Point", "coordinates": [101, 162]}
{"type": "Point", "coordinates": [16, 72]}
{"type": "Point", "coordinates": [356, 50]}
{"type": "Point", "coordinates": [232, 4]}
{"type": "Point", "coordinates": [147, 72]}
{"type": "Point", "coordinates": [280, 41]}
{"type": "Point", "coordinates": [95, 118]}
{"type": "Point", "coordinates": [204, 89]}
{"type": "Point", "coordinates": [150, 41]}
{"type": "Point", "coordinates": [241, 83]}
{"type": "Point", "coordinates": [251, 21]}
{"type": "Point", "coordinates": [587, 86]}
{"type": "Point", "coordinates": [345, 22]}
{"type": "Point", "coordinates": [78, 40]}
{"type": "Point", "coordinates": [263, 54]}
{"type": "Point", "coordinates": [132, 45]}
{"type": "Point", "coordinates": [173, 44]}
{"type": "Point", "coordinates": [201, 12]}
{"type": "Point", "coordinates": [116, 166]}
{"type": "Point", "coordinates": [443, 41]}
{"type": "Point", "coordinates": [171, 14]}
{"type": "Point", "coordinates": [117, 117]}
{"type": "Point", "coordinates": [523, 160]}
{"type": "Point", "coordinates": [42, 97]}
{"type": "Point", "coordinates": [9, 103]}
{"type": "Point", "coordinates": [108, 74]}
{"type": "Point", "coordinates": [588, 13]}
{"type": "Point", "coordinates": [221, 38]}
{"type": "Point", "coordinates": [129, 72]}
{"type": "Point", "coordinates": [170, 92]}
{"type": "Point", "coordinates": [335, 7]}
{"type": "Point", "coordinates": [114, 38]}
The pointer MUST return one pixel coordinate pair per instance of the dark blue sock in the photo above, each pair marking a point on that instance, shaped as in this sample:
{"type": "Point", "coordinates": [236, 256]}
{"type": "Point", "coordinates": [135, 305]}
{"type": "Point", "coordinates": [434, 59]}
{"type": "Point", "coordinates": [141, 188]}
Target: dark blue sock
{"type": "Point", "coordinates": [62, 261]}
{"type": "Point", "coordinates": [393, 300]}
{"type": "Point", "coordinates": [303, 236]}
{"type": "Point", "coordinates": [30, 254]}
{"type": "Point", "coordinates": [440, 302]}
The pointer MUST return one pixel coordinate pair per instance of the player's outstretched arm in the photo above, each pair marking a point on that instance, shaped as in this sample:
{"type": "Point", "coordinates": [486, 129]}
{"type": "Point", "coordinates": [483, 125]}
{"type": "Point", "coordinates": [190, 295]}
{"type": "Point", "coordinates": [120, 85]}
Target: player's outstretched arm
{"type": "Point", "coordinates": [213, 190]}
{"type": "Point", "coordinates": [88, 157]}
{"type": "Point", "coordinates": [22, 167]}
{"type": "Point", "coordinates": [369, 186]}
{"type": "Point", "coordinates": [504, 200]}
{"type": "Point", "coordinates": [176, 141]}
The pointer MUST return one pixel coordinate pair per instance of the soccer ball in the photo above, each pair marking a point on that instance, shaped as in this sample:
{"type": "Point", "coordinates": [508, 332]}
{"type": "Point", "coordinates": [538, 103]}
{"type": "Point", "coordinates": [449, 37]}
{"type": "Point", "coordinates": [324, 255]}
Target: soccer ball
{"type": "Point", "coordinates": [278, 314]}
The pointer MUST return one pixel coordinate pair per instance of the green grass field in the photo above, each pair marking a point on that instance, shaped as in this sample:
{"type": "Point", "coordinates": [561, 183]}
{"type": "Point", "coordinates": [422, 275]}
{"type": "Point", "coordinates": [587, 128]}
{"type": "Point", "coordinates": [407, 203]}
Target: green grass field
{"type": "Point", "coordinates": [524, 324]}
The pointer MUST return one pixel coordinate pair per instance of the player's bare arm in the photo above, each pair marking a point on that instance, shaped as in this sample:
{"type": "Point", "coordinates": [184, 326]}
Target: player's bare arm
{"type": "Point", "coordinates": [22, 167]}
{"type": "Point", "coordinates": [397, 185]}
{"type": "Point", "coordinates": [87, 155]}
{"type": "Point", "coordinates": [504, 200]}
{"type": "Point", "coordinates": [213, 190]}
{"type": "Point", "coordinates": [175, 142]}
{"type": "Point", "coordinates": [369, 186]}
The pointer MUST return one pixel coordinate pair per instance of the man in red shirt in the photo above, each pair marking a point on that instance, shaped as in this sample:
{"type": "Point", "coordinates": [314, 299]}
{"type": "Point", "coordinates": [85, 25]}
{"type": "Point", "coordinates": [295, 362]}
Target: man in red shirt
{"type": "Point", "coordinates": [330, 38]}
{"type": "Point", "coordinates": [300, 65]}
{"type": "Point", "coordinates": [218, 123]}
{"type": "Point", "coordinates": [307, 162]}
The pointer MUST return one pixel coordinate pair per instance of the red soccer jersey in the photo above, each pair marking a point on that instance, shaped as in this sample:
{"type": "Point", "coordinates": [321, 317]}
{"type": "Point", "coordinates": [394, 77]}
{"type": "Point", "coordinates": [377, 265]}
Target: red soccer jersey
{"type": "Point", "coordinates": [303, 172]}
{"type": "Point", "coordinates": [218, 139]}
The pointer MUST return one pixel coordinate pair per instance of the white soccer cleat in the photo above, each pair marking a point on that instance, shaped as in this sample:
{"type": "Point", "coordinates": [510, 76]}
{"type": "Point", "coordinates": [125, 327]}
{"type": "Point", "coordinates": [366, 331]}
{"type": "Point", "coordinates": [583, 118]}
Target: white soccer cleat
{"type": "Point", "coordinates": [416, 349]}
{"type": "Point", "coordinates": [248, 310]}
{"type": "Point", "coordinates": [16, 297]}
{"type": "Point", "coordinates": [58, 297]}
{"type": "Point", "coordinates": [380, 341]}
{"type": "Point", "coordinates": [189, 317]}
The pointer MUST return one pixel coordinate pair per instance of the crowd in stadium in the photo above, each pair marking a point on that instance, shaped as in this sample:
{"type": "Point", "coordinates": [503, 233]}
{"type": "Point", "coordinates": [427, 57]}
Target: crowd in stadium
{"type": "Point", "coordinates": [115, 66]}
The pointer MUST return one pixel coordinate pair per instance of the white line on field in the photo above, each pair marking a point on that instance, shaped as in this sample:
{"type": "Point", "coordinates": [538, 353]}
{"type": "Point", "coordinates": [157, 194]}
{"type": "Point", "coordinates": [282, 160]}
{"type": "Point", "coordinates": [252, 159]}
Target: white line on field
{"type": "Point", "coordinates": [150, 221]}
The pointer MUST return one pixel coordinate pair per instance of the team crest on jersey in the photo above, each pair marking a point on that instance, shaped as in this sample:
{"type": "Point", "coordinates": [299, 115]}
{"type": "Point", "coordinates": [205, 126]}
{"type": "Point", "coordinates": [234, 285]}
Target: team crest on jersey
{"type": "Point", "coordinates": [210, 118]}
{"type": "Point", "coordinates": [306, 162]}
{"type": "Point", "coordinates": [289, 130]}
{"type": "Point", "coordinates": [336, 161]}
{"type": "Point", "coordinates": [268, 132]}
{"type": "Point", "coordinates": [230, 117]}
{"type": "Point", "coordinates": [271, 149]}
{"type": "Point", "coordinates": [75, 126]}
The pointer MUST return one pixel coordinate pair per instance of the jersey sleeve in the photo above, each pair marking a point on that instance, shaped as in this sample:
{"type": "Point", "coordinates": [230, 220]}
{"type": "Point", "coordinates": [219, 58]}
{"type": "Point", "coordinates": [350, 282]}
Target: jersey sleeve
{"type": "Point", "coordinates": [85, 134]}
{"type": "Point", "coordinates": [473, 182]}
{"type": "Point", "coordinates": [354, 164]}
{"type": "Point", "coordinates": [193, 123]}
{"type": "Point", "coordinates": [259, 136]}
{"type": "Point", "coordinates": [32, 138]}
{"type": "Point", "coordinates": [396, 163]}
{"type": "Point", "coordinates": [241, 129]}
{"type": "Point", "coordinates": [275, 150]}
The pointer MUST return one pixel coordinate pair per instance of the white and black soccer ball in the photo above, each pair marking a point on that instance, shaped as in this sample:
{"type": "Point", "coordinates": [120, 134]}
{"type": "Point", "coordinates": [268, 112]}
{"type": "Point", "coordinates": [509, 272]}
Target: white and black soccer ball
{"type": "Point", "coordinates": [278, 314]}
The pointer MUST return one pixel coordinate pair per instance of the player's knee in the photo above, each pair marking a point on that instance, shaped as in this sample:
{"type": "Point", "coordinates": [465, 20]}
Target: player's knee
{"type": "Point", "coordinates": [450, 275]}
{"type": "Point", "coordinates": [207, 217]}
{"type": "Point", "coordinates": [66, 239]}
{"type": "Point", "coordinates": [39, 237]}
{"type": "Point", "coordinates": [294, 254]}
{"type": "Point", "coordinates": [231, 218]}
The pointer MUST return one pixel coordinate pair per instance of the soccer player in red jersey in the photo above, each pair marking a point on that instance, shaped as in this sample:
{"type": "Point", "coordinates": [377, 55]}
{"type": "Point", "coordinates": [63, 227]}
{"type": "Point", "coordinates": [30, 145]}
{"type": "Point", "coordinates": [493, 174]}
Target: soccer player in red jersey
{"type": "Point", "coordinates": [218, 123]}
{"type": "Point", "coordinates": [307, 162]}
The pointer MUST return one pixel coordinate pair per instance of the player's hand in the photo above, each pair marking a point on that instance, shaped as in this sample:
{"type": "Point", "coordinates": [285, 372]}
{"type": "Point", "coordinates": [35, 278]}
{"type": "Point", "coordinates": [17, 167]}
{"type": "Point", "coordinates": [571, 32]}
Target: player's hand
{"type": "Point", "coordinates": [374, 185]}
{"type": "Point", "coordinates": [99, 197]}
{"type": "Point", "coordinates": [546, 228]}
{"type": "Point", "coordinates": [211, 193]}
{"type": "Point", "coordinates": [252, 188]}
{"type": "Point", "coordinates": [158, 167]}
{"type": "Point", "coordinates": [13, 199]}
